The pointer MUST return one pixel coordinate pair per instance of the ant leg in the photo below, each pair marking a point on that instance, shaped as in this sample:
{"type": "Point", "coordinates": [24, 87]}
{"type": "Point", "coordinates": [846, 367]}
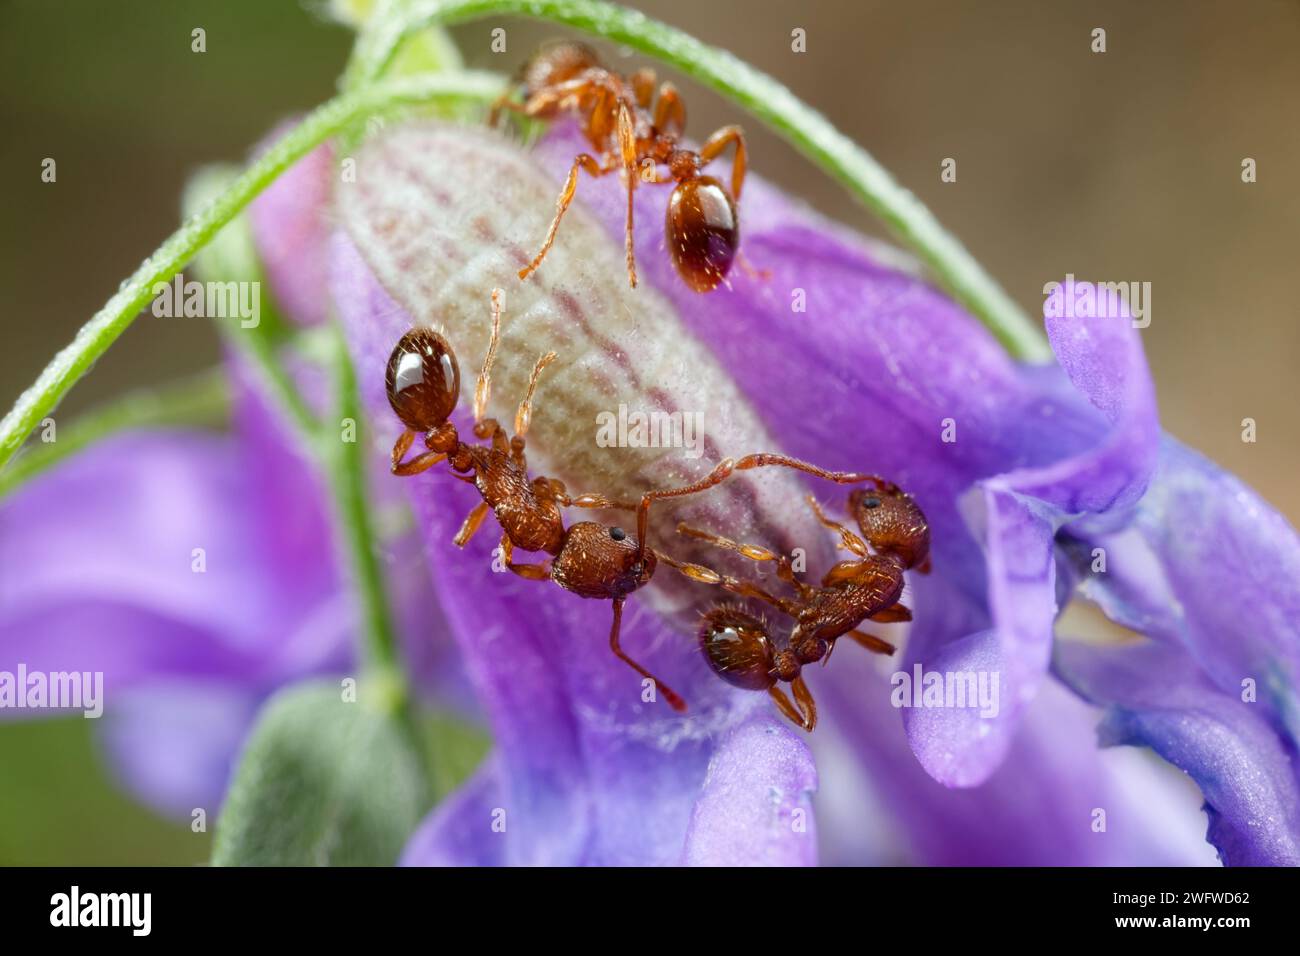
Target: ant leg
{"type": "Point", "coordinates": [483, 388]}
{"type": "Point", "coordinates": [627, 145]}
{"type": "Point", "coordinates": [472, 522]}
{"type": "Point", "coordinates": [894, 614]}
{"type": "Point", "coordinates": [755, 553]}
{"type": "Point", "coordinates": [749, 269]}
{"type": "Point", "coordinates": [594, 169]}
{"type": "Point", "coordinates": [872, 643]}
{"type": "Point", "coordinates": [765, 460]}
{"type": "Point", "coordinates": [848, 540]}
{"type": "Point", "coordinates": [719, 474]}
{"type": "Point", "coordinates": [670, 111]}
{"type": "Point", "coordinates": [504, 102]}
{"type": "Point", "coordinates": [698, 572]}
{"type": "Point", "coordinates": [491, 428]}
{"type": "Point", "coordinates": [804, 698]}
{"type": "Point", "coordinates": [532, 572]}
{"type": "Point", "coordinates": [421, 462]}
{"type": "Point", "coordinates": [674, 699]}
{"type": "Point", "coordinates": [600, 502]}
{"type": "Point", "coordinates": [524, 416]}
{"type": "Point", "coordinates": [555, 489]}
{"type": "Point", "coordinates": [643, 86]}
{"type": "Point", "coordinates": [719, 141]}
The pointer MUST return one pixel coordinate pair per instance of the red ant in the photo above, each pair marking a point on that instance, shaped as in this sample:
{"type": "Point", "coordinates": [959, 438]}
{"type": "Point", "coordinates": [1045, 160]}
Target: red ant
{"type": "Point", "coordinates": [590, 559]}
{"type": "Point", "coordinates": [701, 224]}
{"type": "Point", "coordinates": [739, 646]}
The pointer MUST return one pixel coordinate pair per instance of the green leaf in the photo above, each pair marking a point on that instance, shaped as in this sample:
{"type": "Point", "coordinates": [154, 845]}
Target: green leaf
{"type": "Point", "coordinates": [324, 782]}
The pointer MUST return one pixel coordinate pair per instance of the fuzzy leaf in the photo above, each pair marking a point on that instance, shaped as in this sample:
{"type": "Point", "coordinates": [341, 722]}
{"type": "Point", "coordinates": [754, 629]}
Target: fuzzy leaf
{"type": "Point", "coordinates": [322, 782]}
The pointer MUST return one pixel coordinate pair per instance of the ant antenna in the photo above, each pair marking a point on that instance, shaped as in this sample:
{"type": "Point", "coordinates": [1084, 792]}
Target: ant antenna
{"type": "Point", "coordinates": [718, 475]}
{"type": "Point", "coordinates": [484, 386]}
{"type": "Point", "coordinates": [525, 414]}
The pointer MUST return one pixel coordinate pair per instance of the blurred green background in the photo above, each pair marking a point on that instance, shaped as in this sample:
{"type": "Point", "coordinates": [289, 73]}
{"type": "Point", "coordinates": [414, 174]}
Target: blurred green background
{"type": "Point", "coordinates": [1118, 166]}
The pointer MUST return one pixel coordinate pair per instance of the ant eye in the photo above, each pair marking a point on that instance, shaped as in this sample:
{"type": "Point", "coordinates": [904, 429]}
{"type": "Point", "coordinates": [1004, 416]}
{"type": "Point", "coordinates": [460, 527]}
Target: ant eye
{"type": "Point", "coordinates": [618, 534]}
{"type": "Point", "coordinates": [872, 502]}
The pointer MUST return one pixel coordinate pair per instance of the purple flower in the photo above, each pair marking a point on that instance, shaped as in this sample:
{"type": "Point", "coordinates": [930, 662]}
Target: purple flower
{"type": "Point", "coordinates": [186, 567]}
{"type": "Point", "coordinates": [871, 370]}
{"type": "Point", "coordinates": [196, 572]}
{"type": "Point", "coordinates": [865, 378]}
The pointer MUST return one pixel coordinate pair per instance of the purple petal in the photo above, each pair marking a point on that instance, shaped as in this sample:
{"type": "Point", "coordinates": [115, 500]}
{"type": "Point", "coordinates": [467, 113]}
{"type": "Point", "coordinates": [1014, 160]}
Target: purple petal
{"type": "Point", "coordinates": [756, 804]}
{"type": "Point", "coordinates": [173, 743]}
{"type": "Point", "coordinates": [1023, 510]}
{"type": "Point", "coordinates": [1038, 808]}
{"type": "Point", "coordinates": [960, 747]}
{"type": "Point", "coordinates": [102, 575]}
{"type": "Point", "coordinates": [1156, 697]}
{"type": "Point", "coordinates": [467, 829]}
{"type": "Point", "coordinates": [1209, 565]}
{"type": "Point", "coordinates": [116, 528]}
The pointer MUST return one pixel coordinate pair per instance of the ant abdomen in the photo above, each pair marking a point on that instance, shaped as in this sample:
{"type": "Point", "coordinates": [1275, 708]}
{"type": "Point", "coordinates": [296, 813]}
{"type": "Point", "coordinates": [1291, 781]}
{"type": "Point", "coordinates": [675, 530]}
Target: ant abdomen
{"type": "Point", "coordinates": [703, 232]}
{"type": "Point", "coordinates": [737, 647]}
{"type": "Point", "coordinates": [422, 379]}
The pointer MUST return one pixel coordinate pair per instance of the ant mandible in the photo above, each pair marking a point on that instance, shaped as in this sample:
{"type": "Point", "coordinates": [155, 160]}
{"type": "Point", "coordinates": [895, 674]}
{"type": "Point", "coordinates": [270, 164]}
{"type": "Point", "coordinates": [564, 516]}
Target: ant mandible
{"type": "Point", "coordinates": [739, 645]}
{"type": "Point", "coordinates": [701, 225]}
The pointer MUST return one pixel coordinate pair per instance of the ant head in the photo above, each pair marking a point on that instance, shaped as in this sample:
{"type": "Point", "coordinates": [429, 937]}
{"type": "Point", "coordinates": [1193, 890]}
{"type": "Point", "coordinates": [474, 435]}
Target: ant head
{"type": "Point", "coordinates": [702, 231]}
{"type": "Point", "coordinates": [740, 651]}
{"type": "Point", "coordinates": [423, 380]}
{"type": "Point", "coordinates": [892, 523]}
{"type": "Point", "coordinates": [601, 562]}
{"type": "Point", "coordinates": [557, 62]}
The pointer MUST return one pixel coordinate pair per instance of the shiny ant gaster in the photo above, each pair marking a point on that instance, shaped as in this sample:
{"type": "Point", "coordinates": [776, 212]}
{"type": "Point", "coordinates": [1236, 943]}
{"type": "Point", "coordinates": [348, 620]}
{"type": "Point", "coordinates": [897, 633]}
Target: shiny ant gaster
{"type": "Point", "coordinates": [592, 560]}
{"type": "Point", "coordinates": [701, 226]}
{"type": "Point", "coordinates": [739, 645]}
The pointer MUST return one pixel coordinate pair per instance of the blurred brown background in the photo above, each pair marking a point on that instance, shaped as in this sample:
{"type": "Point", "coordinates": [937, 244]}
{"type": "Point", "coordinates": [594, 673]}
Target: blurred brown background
{"type": "Point", "coordinates": [1117, 166]}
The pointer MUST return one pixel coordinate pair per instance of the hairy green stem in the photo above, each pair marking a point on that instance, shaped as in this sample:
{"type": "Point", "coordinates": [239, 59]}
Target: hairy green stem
{"type": "Point", "coordinates": [108, 323]}
{"type": "Point", "coordinates": [345, 463]}
{"type": "Point", "coordinates": [799, 124]}
{"type": "Point", "coordinates": [202, 399]}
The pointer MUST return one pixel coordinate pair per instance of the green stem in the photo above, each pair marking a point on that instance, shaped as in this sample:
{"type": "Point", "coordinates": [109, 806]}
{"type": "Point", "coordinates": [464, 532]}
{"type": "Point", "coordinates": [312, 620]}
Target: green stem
{"type": "Point", "coordinates": [203, 399]}
{"type": "Point", "coordinates": [108, 323]}
{"type": "Point", "coordinates": [799, 124]}
{"type": "Point", "coordinates": [345, 463]}
{"type": "Point", "coordinates": [260, 358]}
